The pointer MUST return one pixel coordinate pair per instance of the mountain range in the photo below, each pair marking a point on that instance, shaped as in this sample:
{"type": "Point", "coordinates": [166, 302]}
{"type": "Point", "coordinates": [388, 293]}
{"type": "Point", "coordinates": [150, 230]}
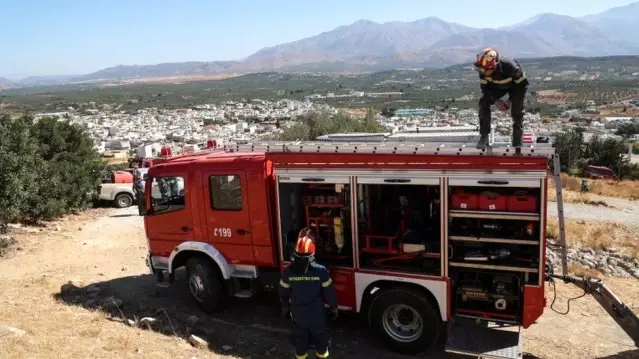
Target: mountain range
{"type": "Point", "coordinates": [430, 43]}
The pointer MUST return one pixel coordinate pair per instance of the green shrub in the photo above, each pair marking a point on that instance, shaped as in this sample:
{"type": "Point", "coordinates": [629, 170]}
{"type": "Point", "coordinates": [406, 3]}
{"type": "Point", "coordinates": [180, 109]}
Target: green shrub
{"type": "Point", "coordinates": [47, 168]}
{"type": "Point", "coordinates": [318, 124]}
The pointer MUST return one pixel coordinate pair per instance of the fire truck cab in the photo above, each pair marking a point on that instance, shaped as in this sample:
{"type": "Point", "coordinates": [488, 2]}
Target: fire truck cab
{"type": "Point", "coordinates": [423, 240]}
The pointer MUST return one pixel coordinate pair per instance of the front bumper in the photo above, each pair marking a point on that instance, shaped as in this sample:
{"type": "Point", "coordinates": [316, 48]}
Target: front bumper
{"type": "Point", "coordinates": [159, 266]}
{"type": "Point", "coordinates": [156, 263]}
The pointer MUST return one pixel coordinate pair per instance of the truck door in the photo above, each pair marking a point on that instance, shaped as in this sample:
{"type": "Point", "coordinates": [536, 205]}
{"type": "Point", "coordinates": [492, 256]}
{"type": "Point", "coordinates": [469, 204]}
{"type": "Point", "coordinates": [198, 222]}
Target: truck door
{"type": "Point", "coordinates": [168, 219]}
{"type": "Point", "coordinates": [227, 214]}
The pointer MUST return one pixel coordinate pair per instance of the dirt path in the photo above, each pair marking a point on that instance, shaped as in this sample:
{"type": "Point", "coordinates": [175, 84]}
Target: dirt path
{"type": "Point", "coordinates": [620, 210]}
{"type": "Point", "coordinates": [108, 248]}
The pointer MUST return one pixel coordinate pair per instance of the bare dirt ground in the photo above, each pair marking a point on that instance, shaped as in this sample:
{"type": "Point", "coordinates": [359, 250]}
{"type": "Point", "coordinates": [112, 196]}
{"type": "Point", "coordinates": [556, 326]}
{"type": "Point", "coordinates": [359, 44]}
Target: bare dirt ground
{"type": "Point", "coordinates": [107, 248]}
{"type": "Point", "coordinates": [356, 112]}
{"type": "Point", "coordinates": [616, 210]}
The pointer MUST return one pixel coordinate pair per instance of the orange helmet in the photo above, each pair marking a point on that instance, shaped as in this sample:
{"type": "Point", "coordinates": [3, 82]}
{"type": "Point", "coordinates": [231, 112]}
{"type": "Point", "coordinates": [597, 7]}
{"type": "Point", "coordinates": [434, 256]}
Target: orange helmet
{"type": "Point", "coordinates": [305, 245]}
{"type": "Point", "coordinates": [487, 60]}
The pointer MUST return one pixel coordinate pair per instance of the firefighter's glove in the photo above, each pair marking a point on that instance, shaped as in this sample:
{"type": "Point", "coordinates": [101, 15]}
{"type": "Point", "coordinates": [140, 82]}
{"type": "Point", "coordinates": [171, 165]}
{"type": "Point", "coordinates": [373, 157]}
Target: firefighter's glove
{"type": "Point", "coordinates": [333, 313]}
{"type": "Point", "coordinates": [502, 105]}
{"type": "Point", "coordinates": [286, 313]}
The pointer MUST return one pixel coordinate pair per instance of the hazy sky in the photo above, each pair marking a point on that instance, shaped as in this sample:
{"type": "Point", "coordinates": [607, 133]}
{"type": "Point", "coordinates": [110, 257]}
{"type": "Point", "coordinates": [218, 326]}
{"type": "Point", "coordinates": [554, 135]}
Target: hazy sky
{"type": "Point", "coordinates": [51, 37]}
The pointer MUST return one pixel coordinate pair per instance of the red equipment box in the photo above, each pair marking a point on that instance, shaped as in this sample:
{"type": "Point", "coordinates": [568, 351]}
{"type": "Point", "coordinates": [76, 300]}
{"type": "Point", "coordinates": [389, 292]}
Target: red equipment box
{"type": "Point", "coordinates": [522, 201]}
{"type": "Point", "coordinates": [463, 200]}
{"type": "Point", "coordinates": [491, 201]}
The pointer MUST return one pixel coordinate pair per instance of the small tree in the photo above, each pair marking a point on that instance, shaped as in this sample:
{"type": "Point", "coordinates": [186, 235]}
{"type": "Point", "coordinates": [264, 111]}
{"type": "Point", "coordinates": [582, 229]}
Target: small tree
{"type": "Point", "coordinates": [570, 146]}
{"type": "Point", "coordinates": [627, 130]}
{"type": "Point", "coordinates": [46, 168]}
{"type": "Point", "coordinates": [71, 163]}
{"type": "Point", "coordinates": [609, 153]}
{"type": "Point", "coordinates": [19, 163]}
{"type": "Point", "coordinates": [317, 124]}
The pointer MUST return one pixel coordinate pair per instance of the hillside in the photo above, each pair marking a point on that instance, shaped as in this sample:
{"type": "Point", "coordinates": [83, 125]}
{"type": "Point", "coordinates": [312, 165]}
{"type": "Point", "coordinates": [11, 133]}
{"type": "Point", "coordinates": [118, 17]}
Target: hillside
{"type": "Point", "coordinates": [427, 43]}
{"type": "Point", "coordinates": [160, 70]}
{"type": "Point", "coordinates": [6, 83]}
{"type": "Point", "coordinates": [580, 78]}
{"type": "Point", "coordinates": [367, 46]}
{"type": "Point", "coordinates": [45, 80]}
{"type": "Point", "coordinates": [619, 23]}
{"type": "Point", "coordinates": [559, 34]}
{"type": "Point", "coordinates": [364, 41]}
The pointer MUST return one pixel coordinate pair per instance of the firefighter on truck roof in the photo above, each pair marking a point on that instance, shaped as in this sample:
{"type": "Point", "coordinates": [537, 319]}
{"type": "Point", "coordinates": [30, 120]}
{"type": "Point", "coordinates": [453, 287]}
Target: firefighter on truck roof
{"type": "Point", "coordinates": [306, 284]}
{"type": "Point", "coordinates": [498, 76]}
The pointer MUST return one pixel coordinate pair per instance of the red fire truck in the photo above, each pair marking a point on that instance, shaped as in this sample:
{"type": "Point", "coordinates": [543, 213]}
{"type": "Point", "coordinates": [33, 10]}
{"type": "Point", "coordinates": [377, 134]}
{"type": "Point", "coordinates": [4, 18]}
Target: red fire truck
{"type": "Point", "coordinates": [424, 240]}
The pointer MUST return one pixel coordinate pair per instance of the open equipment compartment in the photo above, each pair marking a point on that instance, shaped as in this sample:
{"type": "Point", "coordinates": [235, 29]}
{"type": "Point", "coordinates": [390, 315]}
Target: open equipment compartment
{"type": "Point", "coordinates": [494, 244]}
{"type": "Point", "coordinates": [399, 222]}
{"type": "Point", "coordinates": [320, 203]}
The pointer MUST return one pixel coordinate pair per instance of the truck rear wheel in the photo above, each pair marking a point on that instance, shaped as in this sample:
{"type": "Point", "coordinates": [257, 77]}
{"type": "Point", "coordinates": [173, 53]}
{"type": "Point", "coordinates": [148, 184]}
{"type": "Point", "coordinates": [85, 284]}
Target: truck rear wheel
{"type": "Point", "coordinates": [123, 200]}
{"type": "Point", "coordinates": [205, 285]}
{"type": "Point", "coordinates": [405, 320]}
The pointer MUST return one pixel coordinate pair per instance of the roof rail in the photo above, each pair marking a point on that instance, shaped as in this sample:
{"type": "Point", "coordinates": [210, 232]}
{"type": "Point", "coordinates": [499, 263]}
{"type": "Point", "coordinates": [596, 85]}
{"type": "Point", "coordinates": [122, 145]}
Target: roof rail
{"type": "Point", "coordinates": [537, 149]}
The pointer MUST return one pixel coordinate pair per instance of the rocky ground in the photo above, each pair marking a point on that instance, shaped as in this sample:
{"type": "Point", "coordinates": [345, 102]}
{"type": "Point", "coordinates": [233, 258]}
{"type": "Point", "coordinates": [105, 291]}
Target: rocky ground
{"type": "Point", "coordinates": [610, 261]}
{"type": "Point", "coordinates": [80, 288]}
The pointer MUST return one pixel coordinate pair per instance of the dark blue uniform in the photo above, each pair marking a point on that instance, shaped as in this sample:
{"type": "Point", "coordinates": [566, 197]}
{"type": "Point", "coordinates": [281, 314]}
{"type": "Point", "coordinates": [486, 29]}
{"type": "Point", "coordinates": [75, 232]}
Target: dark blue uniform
{"type": "Point", "coordinates": [138, 189]}
{"type": "Point", "coordinates": [508, 78]}
{"type": "Point", "coordinates": [307, 292]}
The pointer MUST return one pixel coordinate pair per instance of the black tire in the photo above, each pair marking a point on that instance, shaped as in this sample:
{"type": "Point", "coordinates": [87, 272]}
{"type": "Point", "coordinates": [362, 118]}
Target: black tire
{"type": "Point", "coordinates": [406, 336]}
{"type": "Point", "coordinates": [123, 200]}
{"type": "Point", "coordinates": [203, 278]}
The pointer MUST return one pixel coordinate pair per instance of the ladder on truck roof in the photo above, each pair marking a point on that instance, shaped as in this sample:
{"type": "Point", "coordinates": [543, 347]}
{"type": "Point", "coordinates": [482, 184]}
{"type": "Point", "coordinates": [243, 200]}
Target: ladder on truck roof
{"type": "Point", "coordinates": [415, 148]}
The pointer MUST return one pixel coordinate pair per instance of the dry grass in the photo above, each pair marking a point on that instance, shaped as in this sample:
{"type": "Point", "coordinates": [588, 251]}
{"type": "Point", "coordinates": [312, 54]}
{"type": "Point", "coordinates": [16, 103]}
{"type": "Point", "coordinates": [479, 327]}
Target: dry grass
{"type": "Point", "coordinates": [56, 330]}
{"type": "Point", "coordinates": [576, 197]}
{"type": "Point", "coordinates": [598, 235]}
{"type": "Point", "coordinates": [621, 189]}
{"type": "Point", "coordinates": [580, 270]}
{"type": "Point", "coordinates": [355, 112]}
{"type": "Point", "coordinates": [5, 243]}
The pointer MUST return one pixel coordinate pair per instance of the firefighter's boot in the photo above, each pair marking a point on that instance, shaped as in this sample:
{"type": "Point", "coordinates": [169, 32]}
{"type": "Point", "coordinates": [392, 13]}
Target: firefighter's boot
{"type": "Point", "coordinates": [517, 137]}
{"type": "Point", "coordinates": [483, 142]}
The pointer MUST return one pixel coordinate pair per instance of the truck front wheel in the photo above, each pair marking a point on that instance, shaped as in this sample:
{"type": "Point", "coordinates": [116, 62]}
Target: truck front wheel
{"type": "Point", "coordinates": [205, 285]}
{"type": "Point", "coordinates": [405, 320]}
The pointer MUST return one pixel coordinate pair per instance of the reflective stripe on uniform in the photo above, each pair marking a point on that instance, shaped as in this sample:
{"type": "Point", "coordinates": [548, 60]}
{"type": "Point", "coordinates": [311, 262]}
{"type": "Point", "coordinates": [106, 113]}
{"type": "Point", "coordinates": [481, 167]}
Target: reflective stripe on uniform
{"type": "Point", "coordinates": [484, 82]}
{"type": "Point", "coordinates": [327, 283]}
{"type": "Point", "coordinates": [519, 80]}
{"type": "Point", "coordinates": [284, 284]}
{"type": "Point", "coordinates": [500, 82]}
{"type": "Point", "coordinates": [303, 278]}
{"type": "Point", "coordinates": [322, 355]}
{"type": "Point", "coordinates": [303, 356]}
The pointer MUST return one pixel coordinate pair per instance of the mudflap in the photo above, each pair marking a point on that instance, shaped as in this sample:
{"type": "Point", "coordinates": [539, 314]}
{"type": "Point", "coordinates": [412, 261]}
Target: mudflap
{"type": "Point", "coordinates": [466, 337]}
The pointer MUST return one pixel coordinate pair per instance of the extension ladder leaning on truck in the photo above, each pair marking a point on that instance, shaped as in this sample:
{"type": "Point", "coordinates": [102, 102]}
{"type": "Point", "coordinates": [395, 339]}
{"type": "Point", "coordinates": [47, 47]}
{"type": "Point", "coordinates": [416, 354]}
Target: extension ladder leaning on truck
{"type": "Point", "coordinates": [424, 240]}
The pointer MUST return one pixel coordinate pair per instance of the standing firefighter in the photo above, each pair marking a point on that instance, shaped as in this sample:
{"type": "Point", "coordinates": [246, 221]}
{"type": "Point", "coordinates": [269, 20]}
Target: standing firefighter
{"type": "Point", "coordinates": [306, 284]}
{"type": "Point", "coordinates": [499, 76]}
{"type": "Point", "coordinates": [138, 189]}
